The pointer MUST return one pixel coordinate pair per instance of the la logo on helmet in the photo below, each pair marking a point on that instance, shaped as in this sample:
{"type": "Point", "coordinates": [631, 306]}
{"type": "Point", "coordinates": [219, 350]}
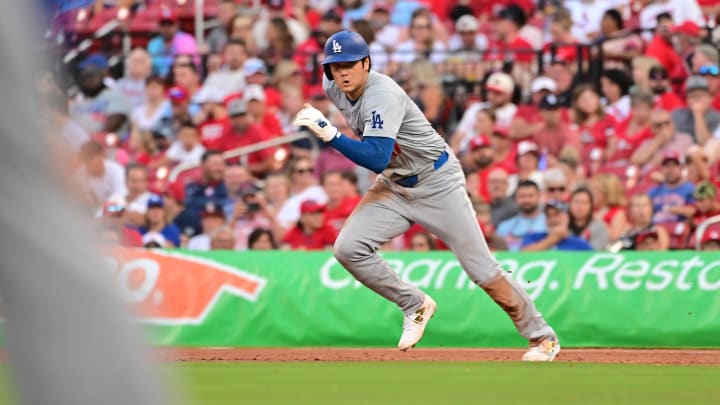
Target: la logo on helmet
{"type": "Point", "coordinates": [336, 47]}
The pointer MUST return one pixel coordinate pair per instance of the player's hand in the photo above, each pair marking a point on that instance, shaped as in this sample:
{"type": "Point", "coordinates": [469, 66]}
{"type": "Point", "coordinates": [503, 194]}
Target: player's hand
{"type": "Point", "coordinates": [316, 122]}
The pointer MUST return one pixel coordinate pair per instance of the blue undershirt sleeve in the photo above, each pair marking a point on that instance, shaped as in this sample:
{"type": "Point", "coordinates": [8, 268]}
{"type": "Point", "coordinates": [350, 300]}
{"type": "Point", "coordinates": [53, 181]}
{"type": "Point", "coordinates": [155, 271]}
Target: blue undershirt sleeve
{"type": "Point", "coordinates": [373, 152]}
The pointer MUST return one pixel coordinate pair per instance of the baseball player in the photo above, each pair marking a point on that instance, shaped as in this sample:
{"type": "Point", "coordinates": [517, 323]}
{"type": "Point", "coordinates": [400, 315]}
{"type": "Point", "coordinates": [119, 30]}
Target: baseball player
{"type": "Point", "coordinates": [419, 181]}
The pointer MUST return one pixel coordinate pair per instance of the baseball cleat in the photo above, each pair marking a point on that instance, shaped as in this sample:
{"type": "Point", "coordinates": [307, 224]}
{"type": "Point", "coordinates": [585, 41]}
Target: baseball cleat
{"type": "Point", "coordinates": [545, 350]}
{"type": "Point", "coordinates": [414, 324]}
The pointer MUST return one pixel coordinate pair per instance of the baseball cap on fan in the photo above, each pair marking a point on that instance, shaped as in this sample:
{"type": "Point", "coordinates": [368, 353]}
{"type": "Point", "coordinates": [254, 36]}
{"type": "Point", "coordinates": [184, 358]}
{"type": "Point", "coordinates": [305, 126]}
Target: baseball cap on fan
{"type": "Point", "coordinates": [253, 66]}
{"type": "Point", "coordinates": [167, 14]}
{"type": "Point", "coordinates": [557, 204]}
{"type": "Point", "coordinates": [672, 156]}
{"type": "Point", "coordinates": [467, 23]}
{"type": "Point", "coordinates": [528, 147]}
{"type": "Point", "coordinates": [500, 82]}
{"type": "Point", "coordinates": [550, 102]}
{"type": "Point", "coordinates": [310, 206]}
{"type": "Point", "coordinates": [237, 106]}
{"type": "Point", "coordinates": [276, 4]}
{"type": "Point", "coordinates": [543, 83]}
{"type": "Point", "coordinates": [254, 92]}
{"type": "Point", "coordinates": [480, 141]}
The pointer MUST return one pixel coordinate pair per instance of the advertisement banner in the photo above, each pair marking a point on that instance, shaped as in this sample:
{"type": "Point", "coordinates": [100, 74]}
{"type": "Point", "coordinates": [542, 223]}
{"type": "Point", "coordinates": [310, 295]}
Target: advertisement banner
{"type": "Point", "coordinates": [224, 299]}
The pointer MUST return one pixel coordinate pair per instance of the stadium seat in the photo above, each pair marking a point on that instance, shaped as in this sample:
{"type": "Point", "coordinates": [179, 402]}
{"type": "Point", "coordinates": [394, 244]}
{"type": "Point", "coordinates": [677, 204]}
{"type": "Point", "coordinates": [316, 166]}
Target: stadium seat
{"type": "Point", "coordinates": [679, 233]}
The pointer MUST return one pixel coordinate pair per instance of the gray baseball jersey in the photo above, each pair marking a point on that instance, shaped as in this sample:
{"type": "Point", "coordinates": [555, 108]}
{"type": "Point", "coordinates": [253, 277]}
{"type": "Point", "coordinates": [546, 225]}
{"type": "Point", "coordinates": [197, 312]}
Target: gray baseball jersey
{"type": "Point", "coordinates": [385, 110]}
{"type": "Point", "coordinates": [438, 201]}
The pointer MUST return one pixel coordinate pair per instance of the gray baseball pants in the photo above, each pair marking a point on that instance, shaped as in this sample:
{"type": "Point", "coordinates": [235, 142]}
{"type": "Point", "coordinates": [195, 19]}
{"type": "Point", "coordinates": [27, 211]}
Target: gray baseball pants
{"type": "Point", "coordinates": [439, 202]}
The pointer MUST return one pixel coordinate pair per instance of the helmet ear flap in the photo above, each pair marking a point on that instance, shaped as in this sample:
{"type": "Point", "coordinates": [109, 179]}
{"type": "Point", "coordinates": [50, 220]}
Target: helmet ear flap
{"type": "Point", "coordinates": [328, 73]}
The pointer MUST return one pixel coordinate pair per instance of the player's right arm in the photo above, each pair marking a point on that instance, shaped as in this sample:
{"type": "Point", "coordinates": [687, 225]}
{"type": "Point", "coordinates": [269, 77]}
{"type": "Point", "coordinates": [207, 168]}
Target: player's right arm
{"type": "Point", "coordinates": [372, 152]}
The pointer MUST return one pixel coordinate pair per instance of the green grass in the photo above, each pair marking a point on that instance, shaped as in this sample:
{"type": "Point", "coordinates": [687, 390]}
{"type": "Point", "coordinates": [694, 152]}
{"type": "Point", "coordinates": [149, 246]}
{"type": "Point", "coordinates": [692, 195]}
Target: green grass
{"type": "Point", "coordinates": [443, 383]}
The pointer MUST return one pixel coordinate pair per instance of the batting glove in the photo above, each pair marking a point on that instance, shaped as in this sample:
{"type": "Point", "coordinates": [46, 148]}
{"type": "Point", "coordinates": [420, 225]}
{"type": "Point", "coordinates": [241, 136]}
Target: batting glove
{"type": "Point", "coordinates": [316, 122]}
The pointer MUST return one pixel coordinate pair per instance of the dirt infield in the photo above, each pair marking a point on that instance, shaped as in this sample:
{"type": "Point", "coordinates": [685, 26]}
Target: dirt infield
{"type": "Point", "coordinates": [629, 356]}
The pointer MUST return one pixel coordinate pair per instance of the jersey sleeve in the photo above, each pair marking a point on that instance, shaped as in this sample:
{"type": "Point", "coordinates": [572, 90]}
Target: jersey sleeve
{"type": "Point", "coordinates": [383, 114]}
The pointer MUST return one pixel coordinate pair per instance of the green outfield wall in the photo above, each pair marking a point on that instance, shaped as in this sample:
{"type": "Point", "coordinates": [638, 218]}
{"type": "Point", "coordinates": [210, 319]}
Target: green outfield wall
{"type": "Point", "coordinates": [659, 299]}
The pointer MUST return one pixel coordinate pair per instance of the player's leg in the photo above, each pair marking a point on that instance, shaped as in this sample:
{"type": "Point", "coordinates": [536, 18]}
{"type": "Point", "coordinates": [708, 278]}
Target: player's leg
{"type": "Point", "coordinates": [447, 212]}
{"type": "Point", "coordinates": [379, 217]}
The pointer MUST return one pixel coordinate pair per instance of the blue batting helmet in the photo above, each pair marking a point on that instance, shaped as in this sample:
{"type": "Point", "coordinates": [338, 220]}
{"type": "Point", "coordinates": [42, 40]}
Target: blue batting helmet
{"type": "Point", "coordinates": [344, 46]}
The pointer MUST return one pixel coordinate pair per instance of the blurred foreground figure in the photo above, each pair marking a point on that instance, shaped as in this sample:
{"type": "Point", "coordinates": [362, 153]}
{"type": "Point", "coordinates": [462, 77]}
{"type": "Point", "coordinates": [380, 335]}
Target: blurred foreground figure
{"type": "Point", "coordinates": [68, 339]}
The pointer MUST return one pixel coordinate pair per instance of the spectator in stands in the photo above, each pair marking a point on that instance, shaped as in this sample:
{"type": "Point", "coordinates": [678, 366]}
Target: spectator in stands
{"type": "Point", "coordinates": [261, 239]}
{"type": "Point", "coordinates": [387, 34]}
{"type": "Point", "coordinates": [511, 45]}
{"type": "Point", "coordinates": [500, 88]}
{"type": "Point", "coordinates": [242, 132]}
{"type": "Point", "coordinates": [306, 52]}
{"type": "Point", "coordinates": [149, 149]}
{"type": "Point", "coordinates": [504, 154]}
{"type": "Point", "coordinates": [681, 11]}
{"type": "Point", "coordinates": [648, 240]}
{"type": "Point", "coordinates": [198, 193]}
{"type": "Point", "coordinates": [425, 89]}
{"type": "Point", "coordinates": [569, 163]}
{"type": "Point", "coordinates": [212, 217]}
{"type": "Point", "coordinates": [609, 204]}
{"type": "Point", "coordinates": [231, 76]}
{"type": "Point", "coordinates": [240, 29]}
{"type": "Point", "coordinates": [641, 66]}
{"type": "Point", "coordinates": [597, 129]}
{"type": "Point", "coordinates": [482, 126]}
{"type": "Point", "coordinates": [222, 238]}
{"type": "Point", "coordinates": [618, 44]}
{"type": "Point", "coordinates": [552, 133]}
{"type": "Point", "coordinates": [686, 40]}
{"type": "Point", "coordinates": [155, 221]}
{"type": "Point", "coordinates": [640, 215]}
{"type": "Point", "coordinates": [187, 149]}
{"type": "Point", "coordinates": [421, 44]}
{"type": "Point", "coordinates": [104, 178]}
{"type": "Point", "coordinates": [502, 206]}
{"type": "Point", "coordinates": [531, 218]}
{"type": "Point", "coordinates": [562, 73]}
{"type": "Point", "coordinates": [288, 74]}
{"type": "Point", "coordinates": [280, 43]}
{"type": "Point", "coordinates": [171, 42]}
{"type": "Point", "coordinates": [276, 9]}
{"type": "Point", "coordinates": [704, 55]}
{"type": "Point", "coordinates": [256, 73]}
{"type": "Point", "coordinates": [211, 120]}
{"type": "Point", "coordinates": [659, 83]}
{"type": "Point", "coordinates": [181, 108]}
{"type": "Point", "coordinates": [582, 222]}
{"type": "Point", "coordinates": [99, 108]}
{"type": "Point", "coordinates": [711, 238]}
{"type": "Point", "coordinates": [258, 112]}
{"type": "Point", "coordinates": [72, 135]}
{"type": "Point", "coordinates": [661, 46]}
{"type": "Point", "coordinates": [706, 203]}
{"type": "Point", "coordinates": [114, 230]}
{"type": "Point", "coordinates": [467, 44]}
{"type": "Point", "coordinates": [248, 214]}
{"type": "Point", "coordinates": [422, 242]}
{"type": "Point", "coordinates": [563, 40]}
{"type": "Point", "coordinates": [138, 68]}
{"type": "Point", "coordinates": [699, 119]}
{"type": "Point", "coordinates": [479, 160]}
{"type": "Point", "coordinates": [587, 18]}
{"type": "Point", "coordinates": [528, 160]}
{"type": "Point", "coordinates": [555, 185]}
{"type": "Point", "coordinates": [616, 87]}
{"type": "Point", "coordinates": [303, 186]}
{"type": "Point", "coordinates": [343, 197]}
{"type": "Point", "coordinates": [218, 36]}
{"type": "Point", "coordinates": [186, 75]}
{"type": "Point", "coordinates": [632, 131]}
{"type": "Point", "coordinates": [154, 109]}
{"type": "Point", "coordinates": [484, 218]}
{"type": "Point", "coordinates": [711, 73]}
{"type": "Point", "coordinates": [664, 138]}
{"type": "Point", "coordinates": [671, 197]}
{"type": "Point", "coordinates": [136, 180]}
{"type": "Point", "coordinates": [558, 235]}
{"type": "Point", "coordinates": [528, 120]}
{"type": "Point", "coordinates": [310, 233]}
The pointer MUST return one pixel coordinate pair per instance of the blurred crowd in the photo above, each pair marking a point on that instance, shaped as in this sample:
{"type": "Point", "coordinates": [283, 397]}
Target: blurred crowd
{"type": "Point", "coordinates": [581, 125]}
